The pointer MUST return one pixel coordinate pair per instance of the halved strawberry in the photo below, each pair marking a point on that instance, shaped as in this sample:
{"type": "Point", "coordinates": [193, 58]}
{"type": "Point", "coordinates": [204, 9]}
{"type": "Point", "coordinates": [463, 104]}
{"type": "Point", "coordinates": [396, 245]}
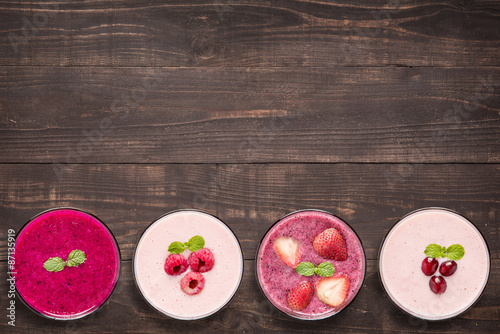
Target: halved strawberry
{"type": "Point", "coordinates": [300, 296]}
{"type": "Point", "coordinates": [333, 290]}
{"type": "Point", "coordinates": [330, 244]}
{"type": "Point", "coordinates": [288, 251]}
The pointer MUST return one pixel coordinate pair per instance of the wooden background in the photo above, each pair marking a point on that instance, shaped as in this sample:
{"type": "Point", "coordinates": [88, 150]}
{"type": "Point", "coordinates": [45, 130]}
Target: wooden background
{"type": "Point", "coordinates": [249, 110]}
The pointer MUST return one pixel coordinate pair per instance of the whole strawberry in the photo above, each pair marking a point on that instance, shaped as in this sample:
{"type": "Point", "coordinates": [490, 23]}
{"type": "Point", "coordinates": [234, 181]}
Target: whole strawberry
{"type": "Point", "coordinates": [300, 296]}
{"type": "Point", "coordinates": [330, 244]}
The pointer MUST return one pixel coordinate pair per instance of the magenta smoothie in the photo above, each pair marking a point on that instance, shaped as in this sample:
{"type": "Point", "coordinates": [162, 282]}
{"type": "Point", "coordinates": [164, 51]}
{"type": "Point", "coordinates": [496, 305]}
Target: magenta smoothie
{"type": "Point", "coordinates": [77, 289]}
{"type": "Point", "coordinates": [277, 279]}
{"type": "Point", "coordinates": [407, 280]}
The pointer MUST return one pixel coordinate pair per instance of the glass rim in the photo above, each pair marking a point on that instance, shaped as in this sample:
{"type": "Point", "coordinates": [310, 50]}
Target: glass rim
{"type": "Point", "coordinates": [428, 209]}
{"type": "Point", "coordinates": [118, 274]}
{"type": "Point", "coordinates": [257, 262]}
{"type": "Point", "coordinates": [204, 315]}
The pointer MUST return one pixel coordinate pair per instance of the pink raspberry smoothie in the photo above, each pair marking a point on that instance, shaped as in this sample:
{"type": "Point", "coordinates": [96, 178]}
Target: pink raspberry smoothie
{"type": "Point", "coordinates": [73, 292]}
{"type": "Point", "coordinates": [276, 279]}
{"type": "Point", "coordinates": [402, 253]}
{"type": "Point", "coordinates": [163, 291]}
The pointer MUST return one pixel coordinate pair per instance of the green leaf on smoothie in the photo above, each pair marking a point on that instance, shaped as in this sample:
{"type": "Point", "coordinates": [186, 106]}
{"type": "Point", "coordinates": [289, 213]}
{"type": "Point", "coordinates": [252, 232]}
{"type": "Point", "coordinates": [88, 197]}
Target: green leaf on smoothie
{"type": "Point", "coordinates": [305, 269]}
{"type": "Point", "coordinates": [176, 247]}
{"type": "Point", "coordinates": [433, 250]}
{"type": "Point", "coordinates": [455, 252]}
{"type": "Point", "coordinates": [54, 264]}
{"type": "Point", "coordinates": [195, 243]}
{"type": "Point", "coordinates": [325, 269]}
{"type": "Point", "coordinates": [75, 258]}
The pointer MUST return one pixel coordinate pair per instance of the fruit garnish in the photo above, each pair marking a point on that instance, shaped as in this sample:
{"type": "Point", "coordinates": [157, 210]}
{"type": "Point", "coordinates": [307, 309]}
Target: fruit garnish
{"type": "Point", "coordinates": [300, 296]}
{"type": "Point", "coordinates": [437, 284]}
{"type": "Point", "coordinates": [75, 258]}
{"type": "Point", "coordinates": [195, 243]}
{"type": "Point", "coordinates": [325, 269]}
{"type": "Point", "coordinates": [333, 290]}
{"type": "Point", "coordinates": [288, 251]}
{"type": "Point", "coordinates": [330, 244]}
{"type": "Point", "coordinates": [454, 252]}
{"type": "Point", "coordinates": [175, 264]}
{"type": "Point", "coordinates": [448, 268]}
{"type": "Point", "coordinates": [202, 260]}
{"type": "Point", "coordinates": [429, 266]}
{"type": "Point", "coordinates": [192, 283]}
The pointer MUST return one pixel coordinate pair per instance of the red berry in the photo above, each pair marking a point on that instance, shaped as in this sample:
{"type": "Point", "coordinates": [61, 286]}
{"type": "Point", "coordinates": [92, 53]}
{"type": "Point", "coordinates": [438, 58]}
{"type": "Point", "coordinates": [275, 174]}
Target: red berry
{"type": "Point", "coordinates": [300, 296]}
{"type": "Point", "coordinates": [448, 268]}
{"type": "Point", "coordinates": [333, 290]}
{"type": "Point", "coordinates": [175, 264]}
{"type": "Point", "coordinates": [192, 283]}
{"type": "Point", "coordinates": [330, 244]}
{"type": "Point", "coordinates": [429, 266]}
{"type": "Point", "coordinates": [288, 250]}
{"type": "Point", "coordinates": [202, 260]}
{"type": "Point", "coordinates": [437, 284]}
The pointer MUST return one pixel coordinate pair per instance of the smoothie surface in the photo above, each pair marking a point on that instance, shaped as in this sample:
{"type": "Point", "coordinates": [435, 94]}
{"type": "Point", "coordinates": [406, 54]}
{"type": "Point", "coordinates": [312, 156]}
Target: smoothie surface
{"type": "Point", "coordinates": [403, 252]}
{"type": "Point", "coordinates": [74, 291]}
{"type": "Point", "coordinates": [162, 291]}
{"type": "Point", "coordinates": [277, 279]}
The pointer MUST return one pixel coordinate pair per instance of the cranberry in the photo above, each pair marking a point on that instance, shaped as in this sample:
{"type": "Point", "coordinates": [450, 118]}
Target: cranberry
{"type": "Point", "coordinates": [429, 266]}
{"type": "Point", "coordinates": [448, 268]}
{"type": "Point", "coordinates": [437, 284]}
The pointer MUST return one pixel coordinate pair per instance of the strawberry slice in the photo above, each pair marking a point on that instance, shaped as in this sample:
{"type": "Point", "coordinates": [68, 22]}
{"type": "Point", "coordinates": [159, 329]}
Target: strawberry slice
{"type": "Point", "coordinates": [288, 251]}
{"type": "Point", "coordinates": [330, 244]}
{"type": "Point", "coordinates": [300, 296]}
{"type": "Point", "coordinates": [333, 290]}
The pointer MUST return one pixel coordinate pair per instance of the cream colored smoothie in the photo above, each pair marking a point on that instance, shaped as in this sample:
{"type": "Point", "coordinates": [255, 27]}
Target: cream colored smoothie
{"type": "Point", "coordinates": [429, 290]}
{"type": "Point", "coordinates": [167, 292]}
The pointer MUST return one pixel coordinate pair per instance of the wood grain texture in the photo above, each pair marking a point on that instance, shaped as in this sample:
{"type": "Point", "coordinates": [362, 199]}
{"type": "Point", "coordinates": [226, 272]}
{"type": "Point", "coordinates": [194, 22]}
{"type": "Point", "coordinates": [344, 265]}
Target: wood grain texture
{"type": "Point", "coordinates": [227, 115]}
{"type": "Point", "coordinates": [250, 33]}
{"type": "Point", "coordinates": [251, 197]}
{"type": "Point", "coordinates": [250, 312]}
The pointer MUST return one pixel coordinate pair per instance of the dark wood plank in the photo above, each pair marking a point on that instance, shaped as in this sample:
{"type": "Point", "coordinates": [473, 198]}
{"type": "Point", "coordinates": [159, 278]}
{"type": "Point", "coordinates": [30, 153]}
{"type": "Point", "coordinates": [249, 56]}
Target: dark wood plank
{"type": "Point", "coordinates": [250, 312]}
{"type": "Point", "coordinates": [250, 198]}
{"type": "Point", "coordinates": [250, 33]}
{"type": "Point", "coordinates": [227, 115]}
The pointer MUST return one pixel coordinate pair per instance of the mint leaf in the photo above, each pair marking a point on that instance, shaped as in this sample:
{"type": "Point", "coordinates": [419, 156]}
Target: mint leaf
{"type": "Point", "coordinates": [54, 264]}
{"type": "Point", "coordinates": [325, 269]}
{"type": "Point", "coordinates": [305, 269]}
{"type": "Point", "coordinates": [433, 250]}
{"type": "Point", "coordinates": [75, 258]}
{"type": "Point", "coordinates": [176, 247]}
{"type": "Point", "coordinates": [195, 243]}
{"type": "Point", "coordinates": [455, 252]}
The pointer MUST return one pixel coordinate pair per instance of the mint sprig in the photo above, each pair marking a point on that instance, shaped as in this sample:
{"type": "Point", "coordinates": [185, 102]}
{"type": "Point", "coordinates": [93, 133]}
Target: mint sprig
{"type": "Point", "coordinates": [305, 268]}
{"type": "Point", "coordinates": [195, 243]}
{"type": "Point", "coordinates": [325, 269]}
{"type": "Point", "coordinates": [454, 252]}
{"type": "Point", "coordinates": [54, 264]}
{"type": "Point", "coordinates": [75, 258]}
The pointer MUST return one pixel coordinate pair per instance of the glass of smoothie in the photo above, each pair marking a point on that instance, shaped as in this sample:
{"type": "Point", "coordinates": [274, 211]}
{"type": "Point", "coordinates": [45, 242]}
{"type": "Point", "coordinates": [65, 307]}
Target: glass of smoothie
{"type": "Point", "coordinates": [434, 264]}
{"type": "Point", "coordinates": [67, 263]}
{"type": "Point", "coordinates": [188, 264]}
{"type": "Point", "coordinates": [310, 264]}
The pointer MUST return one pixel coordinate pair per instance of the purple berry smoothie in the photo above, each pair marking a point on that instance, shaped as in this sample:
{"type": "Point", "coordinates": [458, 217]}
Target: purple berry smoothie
{"type": "Point", "coordinates": [75, 291]}
{"type": "Point", "coordinates": [276, 279]}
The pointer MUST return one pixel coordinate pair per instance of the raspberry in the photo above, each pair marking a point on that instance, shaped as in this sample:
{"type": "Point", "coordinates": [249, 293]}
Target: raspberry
{"type": "Point", "coordinates": [201, 260]}
{"type": "Point", "coordinates": [192, 283]}
{"type": "Point", "coordinates": [175, 264]}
